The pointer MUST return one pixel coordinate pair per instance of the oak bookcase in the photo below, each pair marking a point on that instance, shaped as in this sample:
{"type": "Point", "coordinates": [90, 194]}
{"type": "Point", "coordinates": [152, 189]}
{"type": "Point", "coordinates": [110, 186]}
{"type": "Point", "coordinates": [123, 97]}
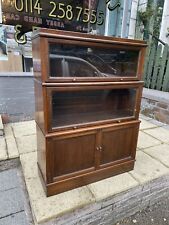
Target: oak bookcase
{"type": "Point", "coordinates": [87, 92]}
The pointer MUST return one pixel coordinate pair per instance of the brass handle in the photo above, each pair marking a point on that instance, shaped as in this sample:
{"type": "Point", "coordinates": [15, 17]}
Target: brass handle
{"type": "Point", "coordinates": [100, 149]}
{"type": "Point", "coordinates": [97, 148]}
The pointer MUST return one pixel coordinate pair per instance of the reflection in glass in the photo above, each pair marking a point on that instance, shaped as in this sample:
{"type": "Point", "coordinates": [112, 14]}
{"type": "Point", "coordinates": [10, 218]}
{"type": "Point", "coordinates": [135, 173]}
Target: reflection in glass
{"type": "Point", "coordinates": [80, 107]}
{"type": "Point", "coordinates": [76, 61]}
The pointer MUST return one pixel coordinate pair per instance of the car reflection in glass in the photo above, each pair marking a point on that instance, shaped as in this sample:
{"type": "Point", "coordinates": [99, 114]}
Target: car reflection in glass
{"type": "Point", "coordinates": [70, 66]}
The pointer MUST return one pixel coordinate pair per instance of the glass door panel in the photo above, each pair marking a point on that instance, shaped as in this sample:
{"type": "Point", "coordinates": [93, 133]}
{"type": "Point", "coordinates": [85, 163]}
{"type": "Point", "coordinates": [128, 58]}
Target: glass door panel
{"type": "Point", "coordinates": [82, 61]}
{"type": "Point", "coordinates": [71, 108]}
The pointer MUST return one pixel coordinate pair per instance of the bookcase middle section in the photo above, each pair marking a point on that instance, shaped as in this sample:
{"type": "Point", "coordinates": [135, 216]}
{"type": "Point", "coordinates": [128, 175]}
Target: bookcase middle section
{"type": "Point", "coordinates": [75, 107]}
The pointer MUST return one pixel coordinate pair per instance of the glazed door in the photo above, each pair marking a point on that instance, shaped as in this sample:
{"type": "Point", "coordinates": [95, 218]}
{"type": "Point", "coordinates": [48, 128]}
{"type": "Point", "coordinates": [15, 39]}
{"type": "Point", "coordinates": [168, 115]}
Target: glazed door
{"type": "Point", "coordinates": [73, 154]}
{"type": "Point", "coordinates": [118, 144]}
{"type": "Point", "coordinates": [76, 107]}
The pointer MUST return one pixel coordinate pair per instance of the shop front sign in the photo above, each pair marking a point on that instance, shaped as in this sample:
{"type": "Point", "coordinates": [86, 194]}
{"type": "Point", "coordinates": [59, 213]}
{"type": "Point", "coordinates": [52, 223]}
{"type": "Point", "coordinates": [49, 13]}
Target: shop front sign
{"type": "Point", "coordinates": [74, 15]}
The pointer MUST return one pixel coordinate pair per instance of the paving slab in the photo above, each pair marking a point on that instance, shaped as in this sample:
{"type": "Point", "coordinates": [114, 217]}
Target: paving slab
{"type": "Point", "coordinates": [15, 219]}
{"type": "Point", "coordinates": [28, 162]}
{"type": "Point", "coordinates": [146, 141]}
{"type": "Point", "coordinates": [146, 125]}
{"type": "Point", "coordinates": [108, 187]}
{"type": "Point", "coordinates": [167, 127]}
{"type": "Point", "coordinates": [26, 144]}
{"type": "Point", "coordinates": [12, 202]}
{"type": "Point", "coordinates": [3, 150]}
{"type": "Point", "coordinates": [159, 133]}
{"type": "Point", "coordinates": [12, 148]}
{"type": "Point", "coordinates": [52, 207]}
{"type": "Point", "coordinates": [8, 179]}
{"type": "Point", "coordinates": [47, 208]}
{"type": "Point", "coordinates": [161, 153]}
{"type": "Point", "coordinates": [8, 130]}
{"type": "Point", "coordinates": [147, 169]}
{"type": "Point", "coordinates": [24, 128]}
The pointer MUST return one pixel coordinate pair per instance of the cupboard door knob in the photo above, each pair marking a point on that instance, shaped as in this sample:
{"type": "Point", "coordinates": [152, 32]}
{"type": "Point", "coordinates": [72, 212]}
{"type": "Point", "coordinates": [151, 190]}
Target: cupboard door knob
{"type": "Point", "coordinates": [99, 148]}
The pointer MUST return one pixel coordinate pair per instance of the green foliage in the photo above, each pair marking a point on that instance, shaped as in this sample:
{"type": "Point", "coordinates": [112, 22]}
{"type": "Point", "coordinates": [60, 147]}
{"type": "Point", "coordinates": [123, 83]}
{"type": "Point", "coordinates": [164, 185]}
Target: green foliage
{"type": "Point", "coordinates": [157, 21]}
{"type": "Point", "coordinates": [151, 19]}
{"type": "Point", "coordinates": [144, 16]}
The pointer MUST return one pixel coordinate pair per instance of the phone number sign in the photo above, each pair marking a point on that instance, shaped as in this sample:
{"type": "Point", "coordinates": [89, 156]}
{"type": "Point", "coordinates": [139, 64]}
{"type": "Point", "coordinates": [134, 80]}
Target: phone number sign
{"type": "Point", "coordinates": [73, 15]}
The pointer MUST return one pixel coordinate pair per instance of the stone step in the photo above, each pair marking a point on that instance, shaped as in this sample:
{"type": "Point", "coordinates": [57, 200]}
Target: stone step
{"type": "Point", "coordinates": [1, 127]}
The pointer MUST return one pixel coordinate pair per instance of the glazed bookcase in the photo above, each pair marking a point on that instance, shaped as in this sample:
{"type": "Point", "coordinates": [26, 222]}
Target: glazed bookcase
{"type": "Point", "coordinates": [87, 92]}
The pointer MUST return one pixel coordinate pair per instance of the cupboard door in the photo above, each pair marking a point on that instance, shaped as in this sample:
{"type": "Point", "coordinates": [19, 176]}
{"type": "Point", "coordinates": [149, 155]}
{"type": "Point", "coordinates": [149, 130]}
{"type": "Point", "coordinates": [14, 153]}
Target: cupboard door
{"type": "Point", "coordinates": [73, 154]}
{"type": "Point", "coordinates": [118, 144]}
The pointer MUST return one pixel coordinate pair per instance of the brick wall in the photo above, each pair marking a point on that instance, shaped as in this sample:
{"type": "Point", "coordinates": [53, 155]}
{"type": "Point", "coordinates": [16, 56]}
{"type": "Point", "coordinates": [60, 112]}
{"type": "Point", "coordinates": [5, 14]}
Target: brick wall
{"type": "Point", "coordinates": [155, 104]}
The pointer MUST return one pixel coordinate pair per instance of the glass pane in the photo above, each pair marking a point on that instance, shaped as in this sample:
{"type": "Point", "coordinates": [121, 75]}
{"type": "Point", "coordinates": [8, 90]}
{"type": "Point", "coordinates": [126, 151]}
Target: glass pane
{"type": "Point", "coordinates": [77, 61]}
{"type": "Point", "coordinates": [80, 107]}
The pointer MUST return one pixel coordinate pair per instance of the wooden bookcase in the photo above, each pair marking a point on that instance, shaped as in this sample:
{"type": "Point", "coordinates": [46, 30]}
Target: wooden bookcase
{"type": "Point", "coordinates": [87, 93]}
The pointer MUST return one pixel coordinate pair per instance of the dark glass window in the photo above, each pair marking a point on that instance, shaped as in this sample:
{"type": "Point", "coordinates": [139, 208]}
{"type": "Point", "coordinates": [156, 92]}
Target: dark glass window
{"type": "Point", "coordinates": [92, 62]}
{"type": "Point", "coordinates": [80, 68]}
{"type": "Point", "coordinates": [56, 67]}
{"type": "Point", "coordinates": [28, 64]}
{"type": "Point", "coordinates": [80, 107]}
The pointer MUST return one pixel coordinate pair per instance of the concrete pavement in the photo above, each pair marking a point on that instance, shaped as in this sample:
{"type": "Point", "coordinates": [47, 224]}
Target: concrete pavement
{"type": "Point", "coordinates": [154, 215]}
{"type": "Point", "coordinates": [14, 206]}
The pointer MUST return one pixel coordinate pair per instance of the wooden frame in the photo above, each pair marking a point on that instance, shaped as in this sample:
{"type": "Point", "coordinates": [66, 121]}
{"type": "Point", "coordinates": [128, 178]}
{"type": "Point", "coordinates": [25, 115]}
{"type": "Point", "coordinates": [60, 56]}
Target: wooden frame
{"type": "Point", "coordinates": [74, 155]}
{"type": "Point", "coordinates": [89, 41]}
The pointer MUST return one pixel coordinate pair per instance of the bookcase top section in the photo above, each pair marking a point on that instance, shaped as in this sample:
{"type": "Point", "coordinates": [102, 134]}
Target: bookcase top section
{"type": "Point", "coordinates": [51, 33]}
